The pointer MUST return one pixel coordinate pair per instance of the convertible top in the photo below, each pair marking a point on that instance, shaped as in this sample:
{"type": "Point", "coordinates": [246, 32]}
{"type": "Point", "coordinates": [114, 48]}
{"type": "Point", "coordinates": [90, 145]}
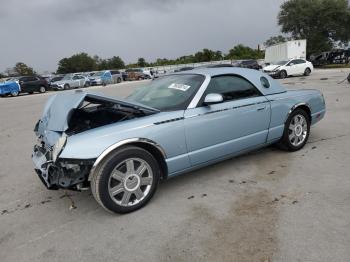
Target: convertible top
{"type": "Point", "coordinates": [251, 75]}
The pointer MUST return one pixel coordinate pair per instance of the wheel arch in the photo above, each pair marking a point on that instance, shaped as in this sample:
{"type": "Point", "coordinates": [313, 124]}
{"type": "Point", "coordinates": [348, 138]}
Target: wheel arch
{"type": "Point", "coordinates": [152, 147]}
{"type": "Point", "coordinates": [304, 106]}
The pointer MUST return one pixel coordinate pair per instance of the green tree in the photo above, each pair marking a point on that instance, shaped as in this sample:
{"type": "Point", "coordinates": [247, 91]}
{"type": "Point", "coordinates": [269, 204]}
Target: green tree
{"type": "Point", "coordinates": [22, 69]}
{"type": "Point", "coordinates": [321, 22]}
{"type": "Point", "coordinates": [141, 62]}
{"type": "Point", "coordinates": [115, 63]}
{"type": "Point", "coordinates": [273, 40]}
{"type": "Point", "coordinates": [77, 63]}
{"type": "Point", "coordinates": [244, 52]}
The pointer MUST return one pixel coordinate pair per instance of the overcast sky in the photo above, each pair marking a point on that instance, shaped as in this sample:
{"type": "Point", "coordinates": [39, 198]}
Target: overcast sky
{"type": "Point", "coordinates": [40, 32]}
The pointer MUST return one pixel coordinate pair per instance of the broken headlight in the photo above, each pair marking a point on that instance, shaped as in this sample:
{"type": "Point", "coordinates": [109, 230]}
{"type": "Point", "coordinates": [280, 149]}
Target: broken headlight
{"type": "Point", "coordinates": [58, 147]}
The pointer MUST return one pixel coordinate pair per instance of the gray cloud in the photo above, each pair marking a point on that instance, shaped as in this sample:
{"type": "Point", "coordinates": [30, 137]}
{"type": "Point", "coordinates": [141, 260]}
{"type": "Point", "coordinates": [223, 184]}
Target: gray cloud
{"type": "Point", "coordinates": [40, 32]}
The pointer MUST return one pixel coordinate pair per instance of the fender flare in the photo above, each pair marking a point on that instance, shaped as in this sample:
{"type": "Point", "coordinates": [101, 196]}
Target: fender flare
{"type": "Point", "coordinates": [117, 145]}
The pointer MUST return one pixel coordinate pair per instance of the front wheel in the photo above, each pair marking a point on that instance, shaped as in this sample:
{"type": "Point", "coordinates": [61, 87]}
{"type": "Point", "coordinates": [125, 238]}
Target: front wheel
{"type": "Point", "coordinates": [126, 181]}
{"type": "Point", "coordinates": [307, 72]}
{"type": "Point", "coordinates": [296, 131]}
{"type": "Point", "coordinates": [283, 74]}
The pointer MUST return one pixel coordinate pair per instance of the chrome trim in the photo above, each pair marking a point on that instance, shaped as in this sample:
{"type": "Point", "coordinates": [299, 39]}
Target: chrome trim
{"type": "Point", "coordinates": [296, 106]}
{"type": "Point", "coordinates": [199, 93]}
{"type": "Point", "coordinates": [228, 108]}
{"type": "Point", "coordinates": [119, 144]}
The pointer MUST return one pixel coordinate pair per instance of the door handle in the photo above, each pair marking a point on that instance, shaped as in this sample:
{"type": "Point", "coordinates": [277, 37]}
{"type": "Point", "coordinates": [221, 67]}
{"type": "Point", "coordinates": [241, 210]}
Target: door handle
{"type": "Point", "coordinates": [261, 108]}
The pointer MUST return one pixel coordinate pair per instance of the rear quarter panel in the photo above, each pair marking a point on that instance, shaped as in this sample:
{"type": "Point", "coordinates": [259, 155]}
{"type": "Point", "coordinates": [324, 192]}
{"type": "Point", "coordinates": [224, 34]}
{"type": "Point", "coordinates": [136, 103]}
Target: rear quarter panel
{"type": "Point", "coordinates": [282, 105]}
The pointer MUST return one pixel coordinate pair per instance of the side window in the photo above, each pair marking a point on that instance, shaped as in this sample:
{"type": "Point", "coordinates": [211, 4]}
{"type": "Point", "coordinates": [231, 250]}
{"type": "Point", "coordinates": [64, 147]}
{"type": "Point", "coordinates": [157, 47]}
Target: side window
{"type": "Point", "coordinates": [232, 87]}
{"type": "Point", "coordinates": [293, 62]}
{"type": "Point", "coordinates": [31, 78]}
{"type": "Point", "coordinates": [301, 61]}
{"type": "Point", "coordinates": [75, 77]}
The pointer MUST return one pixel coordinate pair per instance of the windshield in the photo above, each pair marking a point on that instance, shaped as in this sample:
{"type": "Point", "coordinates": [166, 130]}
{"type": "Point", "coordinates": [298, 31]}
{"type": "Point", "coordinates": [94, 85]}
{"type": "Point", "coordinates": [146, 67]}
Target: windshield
{"type": "Point", "coordinates": [98, 74]}
{"type": "Point", "coordinates": [281, 63]}
{"type": "Point", "coordinates": [172, 92]}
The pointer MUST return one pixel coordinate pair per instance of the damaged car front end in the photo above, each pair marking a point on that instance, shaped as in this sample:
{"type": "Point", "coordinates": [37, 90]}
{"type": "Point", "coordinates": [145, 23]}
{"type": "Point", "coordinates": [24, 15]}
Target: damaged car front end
{"type": "Point", "coordinates": [64, 116]}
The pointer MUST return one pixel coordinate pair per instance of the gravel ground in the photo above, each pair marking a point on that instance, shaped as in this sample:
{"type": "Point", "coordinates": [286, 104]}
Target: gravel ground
{"type": "Point", "coordinates": [265, 206]}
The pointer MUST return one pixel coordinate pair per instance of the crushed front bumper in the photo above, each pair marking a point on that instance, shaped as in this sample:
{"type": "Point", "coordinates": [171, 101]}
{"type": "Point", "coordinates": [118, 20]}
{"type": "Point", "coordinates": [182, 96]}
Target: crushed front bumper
{"type": "Point", "coordinates": [64, 173]}
{"type": "Point", "coordinates": [273, 74]}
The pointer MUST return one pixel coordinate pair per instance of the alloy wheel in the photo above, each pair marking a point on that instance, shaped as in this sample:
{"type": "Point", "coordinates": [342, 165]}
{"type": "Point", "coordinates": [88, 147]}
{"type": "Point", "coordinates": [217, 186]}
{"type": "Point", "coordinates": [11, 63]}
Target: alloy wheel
{"type": "Point", "coordinates": [297, 130]}
{"type": "Point", "coordinates": [130, 182]}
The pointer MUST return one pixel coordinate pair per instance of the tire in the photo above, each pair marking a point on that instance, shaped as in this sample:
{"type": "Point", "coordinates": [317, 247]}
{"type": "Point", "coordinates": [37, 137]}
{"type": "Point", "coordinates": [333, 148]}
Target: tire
{"type": "Point", "coordinates": [14, 93]}
{"type": "Point", "coordinates": [87, 84]}
{"type": "Point", "coordinates": [66, 87]}
{"type": "Point", "coordinates": [130, 194]}
{"type": "Point", "coordinates": [295, 134]}
{"type": "Point", "coordinates": [307, 72]}
{"type": "Point", "coordinates": [31, 92]}
{"type": "Point", "coordinates": [42, 89]}
{"type": "Point", "coordinates": [104, 84]}
{"type": "Point", "coordinates": [119, 80]}
{"type": "Point", "coordinates": [283, 74]}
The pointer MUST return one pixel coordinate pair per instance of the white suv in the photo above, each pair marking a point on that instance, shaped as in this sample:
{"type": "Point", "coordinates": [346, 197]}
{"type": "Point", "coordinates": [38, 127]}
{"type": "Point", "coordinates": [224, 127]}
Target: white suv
{"type": "Point", "coordinates": [292, 67]}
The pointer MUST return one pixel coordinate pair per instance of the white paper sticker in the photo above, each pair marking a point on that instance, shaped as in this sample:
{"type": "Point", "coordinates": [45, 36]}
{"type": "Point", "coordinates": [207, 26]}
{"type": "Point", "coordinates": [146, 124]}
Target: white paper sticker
{"type": "Point", "coordinates": [181, 87]}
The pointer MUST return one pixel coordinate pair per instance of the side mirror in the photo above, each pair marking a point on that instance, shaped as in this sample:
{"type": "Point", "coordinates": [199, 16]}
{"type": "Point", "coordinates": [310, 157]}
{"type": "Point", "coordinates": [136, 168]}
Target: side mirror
{"type": "Point", "coordinates": [213, 99]}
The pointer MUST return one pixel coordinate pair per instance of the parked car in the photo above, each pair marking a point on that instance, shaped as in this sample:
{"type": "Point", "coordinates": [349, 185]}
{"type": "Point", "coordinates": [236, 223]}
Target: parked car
{"type": "Point", "coordinates": [125, 76]}
{"type": "Point", "coordinates": [70, 81]}
{"type": "Point", "coordinates": [101, 78]}
{"type": "Point", "coordinates": [252, 64]}
{"type": "Point", "coordinates": [136, 74]}
{"type": "Point", "coordinates": [10, 87]}
{"type": "Point", "coordinates": [292, 67]}
{"type": "Point", "coordinates": [117, 76]}
{"type": "Point", "coordinates": [55, 79]}
{"type": "Point", "coordinates": [174, 124]}
{"type": "Point", "coordinates": [31, 84]}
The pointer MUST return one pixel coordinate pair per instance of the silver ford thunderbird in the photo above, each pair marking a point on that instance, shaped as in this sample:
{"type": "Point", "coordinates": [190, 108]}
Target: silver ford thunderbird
{"type": "Point", "coordinates": [174, 124]}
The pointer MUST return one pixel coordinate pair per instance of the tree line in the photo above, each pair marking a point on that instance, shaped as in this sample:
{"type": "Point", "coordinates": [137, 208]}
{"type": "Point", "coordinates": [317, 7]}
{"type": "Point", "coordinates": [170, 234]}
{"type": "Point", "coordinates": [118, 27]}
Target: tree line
{"type": "Point", "coordinates": [323, 23]}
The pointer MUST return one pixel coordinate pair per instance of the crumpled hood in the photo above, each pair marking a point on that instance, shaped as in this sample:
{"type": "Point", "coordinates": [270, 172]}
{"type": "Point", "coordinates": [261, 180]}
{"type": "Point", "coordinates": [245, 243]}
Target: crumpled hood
{"type": "Point", "coordinates": [59, 108]}
{"type": "Point", "coordinates": [271, 67]}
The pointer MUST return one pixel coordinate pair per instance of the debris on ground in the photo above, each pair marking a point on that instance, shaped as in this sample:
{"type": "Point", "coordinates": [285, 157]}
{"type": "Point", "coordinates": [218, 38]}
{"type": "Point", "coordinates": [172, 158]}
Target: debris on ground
{"type": "Point", "coordinates": [204, 195]}
{"type": "Point", "coordinates": [231, 181]}
{"type": "Point", "coordinates": [4, 212]}
{"type": "Point", "coordinates": [190, 197]}
{"type": "Point", "coordinates": [27, 205]}
{"type": "Point", "coordinates": [314, 147]}
{"type": "Point", "coordinates": [295, 202]}
{"type": "Point", "coordinates": [272, 172]}
{"type": "Point", "coordinates": [72, 206]}
{"type": "Point", "coordinates": [324, 78]}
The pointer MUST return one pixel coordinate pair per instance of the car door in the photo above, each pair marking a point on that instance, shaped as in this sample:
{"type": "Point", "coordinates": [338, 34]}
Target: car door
{"type": "Point", "coordinates": [28, 84]}
{"type": "Point", "coordinates": [301, 64]}
{"type": "Point", "coordinates": [292, 67]}
{"type": "Point", "coordinates": [240, 122]}
{"type": "Point", "coordinates": [75, 82]}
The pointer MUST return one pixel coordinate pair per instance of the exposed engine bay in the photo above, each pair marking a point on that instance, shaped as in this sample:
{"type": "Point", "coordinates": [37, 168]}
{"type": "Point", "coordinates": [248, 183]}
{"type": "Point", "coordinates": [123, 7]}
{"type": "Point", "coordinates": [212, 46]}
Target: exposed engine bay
{"type": "Point", "coordinates": [66, 116]}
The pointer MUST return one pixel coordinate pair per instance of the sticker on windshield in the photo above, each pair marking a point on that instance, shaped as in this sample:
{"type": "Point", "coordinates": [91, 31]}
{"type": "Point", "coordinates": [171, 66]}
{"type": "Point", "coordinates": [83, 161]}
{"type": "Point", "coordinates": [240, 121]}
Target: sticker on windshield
{"type": "Point", "coordinates": [181, 87]}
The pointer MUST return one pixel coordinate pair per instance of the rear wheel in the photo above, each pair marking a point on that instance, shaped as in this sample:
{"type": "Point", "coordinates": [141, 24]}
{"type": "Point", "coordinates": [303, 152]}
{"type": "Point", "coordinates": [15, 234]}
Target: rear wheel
{"type": "Point", "coordinates": [283, 74]}
{"type": "Point", "coordinates": [66, 86]}
{"type": "Point", "coordinates": [126, 181]}
{"type": "Point", "coordinates": [119, 80]}
{"type": "Point", "coordinates": [307, 72]}
{"type": "Point", "coordinates": [14, 93]}
{"type": "Point", "coordinates": [296, 131]}
{"type": "Point", "coordinates": [42, 89]}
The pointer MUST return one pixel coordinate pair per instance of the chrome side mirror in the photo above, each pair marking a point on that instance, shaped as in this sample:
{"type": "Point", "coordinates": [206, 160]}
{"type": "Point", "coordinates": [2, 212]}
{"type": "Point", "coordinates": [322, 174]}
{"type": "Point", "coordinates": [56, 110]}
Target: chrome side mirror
{"type": "Point", "coordinates": [213, 99]}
